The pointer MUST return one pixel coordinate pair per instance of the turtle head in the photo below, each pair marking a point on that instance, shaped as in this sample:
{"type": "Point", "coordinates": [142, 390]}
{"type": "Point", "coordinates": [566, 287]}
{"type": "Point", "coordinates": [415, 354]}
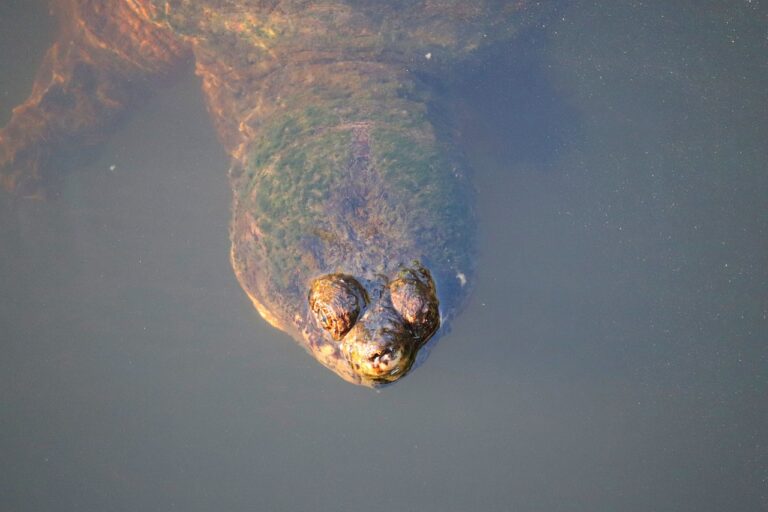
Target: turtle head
{"type": "Point", "coordinates": [379, 326]}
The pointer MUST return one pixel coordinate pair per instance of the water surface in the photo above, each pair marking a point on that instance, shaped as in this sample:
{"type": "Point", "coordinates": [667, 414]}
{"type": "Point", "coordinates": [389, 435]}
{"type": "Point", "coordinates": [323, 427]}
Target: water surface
{"type": "Point", "coordinates": [612, 356]}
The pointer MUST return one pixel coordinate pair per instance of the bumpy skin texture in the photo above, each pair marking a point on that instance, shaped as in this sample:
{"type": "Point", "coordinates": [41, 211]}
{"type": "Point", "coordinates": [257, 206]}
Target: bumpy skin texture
{"type": "Point", "coordinates": [352, 222]}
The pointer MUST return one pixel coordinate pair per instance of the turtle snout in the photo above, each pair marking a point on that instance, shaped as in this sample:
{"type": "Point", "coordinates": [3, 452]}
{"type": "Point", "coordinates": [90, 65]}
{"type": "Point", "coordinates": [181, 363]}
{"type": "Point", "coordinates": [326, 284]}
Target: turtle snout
{"type": "Point", "coordinates": [380, 349]}
{"type": "Point", "coordinates": [386, 360]}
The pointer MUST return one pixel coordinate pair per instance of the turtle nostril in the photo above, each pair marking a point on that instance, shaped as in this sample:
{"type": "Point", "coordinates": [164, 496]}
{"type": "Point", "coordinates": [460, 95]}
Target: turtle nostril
{"type": "Point", "coordinates": [382, 358]}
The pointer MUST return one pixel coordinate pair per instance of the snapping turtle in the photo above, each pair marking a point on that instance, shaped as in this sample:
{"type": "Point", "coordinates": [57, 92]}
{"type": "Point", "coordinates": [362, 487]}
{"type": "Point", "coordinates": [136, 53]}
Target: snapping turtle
{"type": "Point", "coordinates": [351, 220]}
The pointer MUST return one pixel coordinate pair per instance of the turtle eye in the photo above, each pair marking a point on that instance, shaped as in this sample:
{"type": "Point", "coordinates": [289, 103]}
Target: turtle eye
{"type": "Point", "coordinates": [417, 303]}
{"type": "Point", "coordinates": [336, 301]}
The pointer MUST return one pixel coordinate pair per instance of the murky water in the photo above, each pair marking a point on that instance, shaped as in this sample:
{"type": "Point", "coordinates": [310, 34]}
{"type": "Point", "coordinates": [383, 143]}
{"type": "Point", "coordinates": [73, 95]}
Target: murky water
{"type": "Point", "coordinates": [612, 357]}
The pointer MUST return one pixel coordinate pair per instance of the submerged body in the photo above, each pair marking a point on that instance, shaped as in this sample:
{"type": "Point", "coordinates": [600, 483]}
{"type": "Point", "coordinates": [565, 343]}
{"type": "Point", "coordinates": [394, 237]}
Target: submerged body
{"type": "Point", "coordinates": [352, 223]}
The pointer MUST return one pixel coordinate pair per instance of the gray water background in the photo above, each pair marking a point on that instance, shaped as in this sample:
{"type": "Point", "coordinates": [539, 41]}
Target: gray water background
{"type": "Point", "coordinates": [612, 356]}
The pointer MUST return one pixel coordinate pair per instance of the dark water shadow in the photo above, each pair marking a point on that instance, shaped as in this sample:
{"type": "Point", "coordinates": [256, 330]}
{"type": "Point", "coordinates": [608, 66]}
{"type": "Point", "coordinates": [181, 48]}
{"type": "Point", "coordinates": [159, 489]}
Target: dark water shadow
{"type": "Point", "coordinates": [507, 96]}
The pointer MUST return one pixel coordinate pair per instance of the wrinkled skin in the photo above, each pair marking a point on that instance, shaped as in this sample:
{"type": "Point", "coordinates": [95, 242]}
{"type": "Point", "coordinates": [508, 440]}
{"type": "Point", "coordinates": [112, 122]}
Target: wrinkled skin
{"type": "Point", "coordinates": [352, 222]}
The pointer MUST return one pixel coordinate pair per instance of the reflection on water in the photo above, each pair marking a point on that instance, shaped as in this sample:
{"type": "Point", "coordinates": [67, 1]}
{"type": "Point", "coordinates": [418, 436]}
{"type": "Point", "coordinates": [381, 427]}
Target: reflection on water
{"type": "Point", "coordinates": [611, 355]}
